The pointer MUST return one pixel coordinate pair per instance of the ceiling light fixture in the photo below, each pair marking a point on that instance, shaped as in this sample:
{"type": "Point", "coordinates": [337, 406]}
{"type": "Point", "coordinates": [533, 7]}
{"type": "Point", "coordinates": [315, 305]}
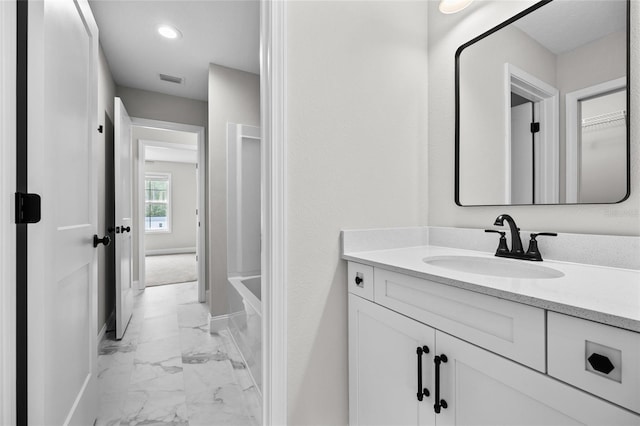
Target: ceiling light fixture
{"type": "Point", "coordinates": [453, 6]}
{"type": "Point", "coordinates": [169, 32]}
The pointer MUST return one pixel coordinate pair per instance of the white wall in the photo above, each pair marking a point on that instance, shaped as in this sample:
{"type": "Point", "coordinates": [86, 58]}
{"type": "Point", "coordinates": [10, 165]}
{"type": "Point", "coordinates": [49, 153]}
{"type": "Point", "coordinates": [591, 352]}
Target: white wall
{"type": "Point", "coordinates": [184, 198]}
{"type": "Point", "coordinates": [106, 93]}
{"type": "Point", "coordinates": [234, 96]}
{"type": "Point", "coordinates": [446, 34]}
{"type": "Point", "coordinates": [357, 140]}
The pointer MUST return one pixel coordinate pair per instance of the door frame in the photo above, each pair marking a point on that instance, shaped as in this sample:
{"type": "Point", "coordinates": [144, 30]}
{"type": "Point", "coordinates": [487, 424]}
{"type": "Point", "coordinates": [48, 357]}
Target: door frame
{"type": "Point", "coordinates": [273, 111]}
{"type": "Point", "coordinates": [202, 191]}
{"type": "Point", "coordinates": [572, 152]}
{"type": "Point", "coordinates": [546, 99]}
{"type": "Point", "coordinates": [8, 64]}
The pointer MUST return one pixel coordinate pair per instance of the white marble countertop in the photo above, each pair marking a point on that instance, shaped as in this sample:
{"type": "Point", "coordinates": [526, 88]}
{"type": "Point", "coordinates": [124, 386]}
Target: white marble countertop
{"type": "Point", "coordinates": [597, 293]}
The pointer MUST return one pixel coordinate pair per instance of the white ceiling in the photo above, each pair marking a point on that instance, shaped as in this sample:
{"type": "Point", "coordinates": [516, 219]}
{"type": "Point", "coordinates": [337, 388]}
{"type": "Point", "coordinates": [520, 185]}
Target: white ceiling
{"type": "Point", "coordinates": [563, 25]}
{"type": "Point", "coordinates": [223, 32]}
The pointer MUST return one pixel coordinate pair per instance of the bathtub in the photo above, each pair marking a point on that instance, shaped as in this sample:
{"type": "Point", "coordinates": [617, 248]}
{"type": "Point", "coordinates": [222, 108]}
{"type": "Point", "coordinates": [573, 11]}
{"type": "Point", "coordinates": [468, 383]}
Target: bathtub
{"type": "Point", "coordinates": [245, 322]}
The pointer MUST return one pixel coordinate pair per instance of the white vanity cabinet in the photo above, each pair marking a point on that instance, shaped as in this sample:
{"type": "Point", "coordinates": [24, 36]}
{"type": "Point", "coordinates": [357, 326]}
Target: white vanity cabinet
{"type": "Point", "coordinates": [383, 367]}
{"type": "Point", "coordinates": [478, 386]}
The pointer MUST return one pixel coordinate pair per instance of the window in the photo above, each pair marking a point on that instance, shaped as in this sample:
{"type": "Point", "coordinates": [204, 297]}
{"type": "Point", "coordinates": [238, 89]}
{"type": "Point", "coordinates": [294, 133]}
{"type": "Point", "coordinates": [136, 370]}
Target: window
{"type": "Point", "coordinates": [157, 200]}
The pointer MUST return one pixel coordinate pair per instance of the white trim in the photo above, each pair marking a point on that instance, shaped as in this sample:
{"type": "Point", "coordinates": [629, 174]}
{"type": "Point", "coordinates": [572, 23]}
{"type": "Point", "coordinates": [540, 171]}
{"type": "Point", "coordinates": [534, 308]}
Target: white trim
{"type": "Point", "coordinates": [218, 323]}
{"type": "Point", "coordinates": [572, 169]}
{"type": "Point", "coordinates": [105, 326]}
{"type": "Point", "coordinates": [273, 91]}
{"type": "Point", "coordinates": [547, 99]}
{"type": "Point", "coordinates": [236, 133]}
{"type": "Point", "coordinates": [7, 227]}
{"type": "Point", "coordinates": [234, 342]}
{"type": "Point", "coordinates": [160, 252]}
{"type": "Point", "coordinates": [202, 196]}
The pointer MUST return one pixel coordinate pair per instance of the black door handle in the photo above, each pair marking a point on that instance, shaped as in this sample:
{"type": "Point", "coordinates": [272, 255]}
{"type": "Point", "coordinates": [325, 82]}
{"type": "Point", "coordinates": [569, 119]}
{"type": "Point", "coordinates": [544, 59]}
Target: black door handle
{"type": "Point", "coordinates": [422, 392]}
{"type": "Point", "coordinates": [125, 229]}
{"type": "Point", "coordinates": [106, 240]}
{"type": "Point", "coordinates": [440, 403]}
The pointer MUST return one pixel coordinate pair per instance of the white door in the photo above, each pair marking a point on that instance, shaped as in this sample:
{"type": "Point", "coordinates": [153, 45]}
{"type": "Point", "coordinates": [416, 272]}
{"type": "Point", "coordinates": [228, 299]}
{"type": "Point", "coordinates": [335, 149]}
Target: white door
{"type": "Point", "coordinates": [383, 367]}
{"type": "Point", "coordinates": [62, 262]}
{"type": "Point", "coordinates": [482, 388]}
{"type": "Point", "coordinates": [521, 154]}
{"type": "Point", "coordinates": [123, 203]}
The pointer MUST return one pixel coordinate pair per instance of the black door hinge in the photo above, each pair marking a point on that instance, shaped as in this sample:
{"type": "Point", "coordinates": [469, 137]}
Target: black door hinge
{"type": "Point", "coordinates": [535, 127]}
{"type": "Point", "coordinates": [27, 208]}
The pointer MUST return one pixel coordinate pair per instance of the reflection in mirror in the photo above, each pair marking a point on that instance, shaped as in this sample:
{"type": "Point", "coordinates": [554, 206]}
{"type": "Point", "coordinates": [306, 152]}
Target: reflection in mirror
{"type": "Point", "coordinates": [542, 107]}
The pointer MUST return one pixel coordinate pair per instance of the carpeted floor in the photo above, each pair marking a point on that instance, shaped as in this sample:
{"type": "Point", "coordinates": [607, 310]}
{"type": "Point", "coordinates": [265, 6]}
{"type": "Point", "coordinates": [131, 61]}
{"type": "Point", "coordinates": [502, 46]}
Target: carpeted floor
{"type": "Point", "coordinates": [170, 269]}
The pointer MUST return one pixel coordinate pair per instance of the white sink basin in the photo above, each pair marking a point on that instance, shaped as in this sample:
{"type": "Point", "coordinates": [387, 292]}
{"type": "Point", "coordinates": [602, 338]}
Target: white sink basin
{"type": "Point", "coordinates": [495, 266]}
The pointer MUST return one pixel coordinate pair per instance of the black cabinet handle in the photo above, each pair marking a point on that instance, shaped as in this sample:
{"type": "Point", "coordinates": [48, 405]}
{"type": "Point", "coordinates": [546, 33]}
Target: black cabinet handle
{"type": "Point", "coordinates": [440, 403]}
{"type": "Point", "coordinates": [359, 281]}
{"type": "Point", "coordinates": [422, 392]}
{"type": "Point", "coordinates": [106, 240]}
{"type": "Point", "coordinates": [601, 363]}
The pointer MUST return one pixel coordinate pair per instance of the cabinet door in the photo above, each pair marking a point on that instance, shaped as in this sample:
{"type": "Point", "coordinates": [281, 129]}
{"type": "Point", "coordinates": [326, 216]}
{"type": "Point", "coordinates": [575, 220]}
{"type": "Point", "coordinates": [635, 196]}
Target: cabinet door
{"type": "Point", "coordinates": [482, 388]}
{"type": "Point", "coordinates": [383, 367]}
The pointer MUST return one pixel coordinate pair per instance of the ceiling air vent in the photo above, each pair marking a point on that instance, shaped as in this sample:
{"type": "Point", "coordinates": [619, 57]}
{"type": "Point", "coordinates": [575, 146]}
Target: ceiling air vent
{"type": "Point", "coordinates": [171, 79]}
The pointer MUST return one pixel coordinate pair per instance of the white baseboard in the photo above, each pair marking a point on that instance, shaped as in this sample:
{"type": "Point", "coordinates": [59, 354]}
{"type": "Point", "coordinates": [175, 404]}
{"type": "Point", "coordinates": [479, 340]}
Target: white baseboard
{"type": "Point", "coordinates": [103, 330]}
{"type": "Point", "coordinates": [159, 252]}
{"type": "Point", "coordinates": [136, 284]}
{"type": "Point", "coordinates": [218, 323]}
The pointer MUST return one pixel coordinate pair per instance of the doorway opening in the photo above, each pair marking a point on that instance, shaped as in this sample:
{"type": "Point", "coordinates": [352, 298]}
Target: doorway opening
{"type": "Point", "coordinates": [531, 138]}
{"type": "Point", "coordinates": [169, 204]}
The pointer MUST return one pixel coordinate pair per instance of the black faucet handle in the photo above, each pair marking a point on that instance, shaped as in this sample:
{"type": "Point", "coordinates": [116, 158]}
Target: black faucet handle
{"type": "Point", "coordinates": [532, 252]}
{"type": "Point", "coordinates": [502, 245]}
{"type": "Point", "coordinates": [543, 234]}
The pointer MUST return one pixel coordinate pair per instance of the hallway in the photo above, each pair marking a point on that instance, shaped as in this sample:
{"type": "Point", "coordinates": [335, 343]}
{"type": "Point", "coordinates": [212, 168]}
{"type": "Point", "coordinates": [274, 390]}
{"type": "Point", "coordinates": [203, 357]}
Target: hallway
{"type": "Point", "coordinates": [169, 370]}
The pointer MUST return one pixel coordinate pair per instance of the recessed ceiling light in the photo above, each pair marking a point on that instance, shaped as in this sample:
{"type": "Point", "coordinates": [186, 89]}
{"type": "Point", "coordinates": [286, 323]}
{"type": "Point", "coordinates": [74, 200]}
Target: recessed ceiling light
{"type": "Point", "coordinates": [168, 31]}
{"type": "Point", "coordinates": [453, 6]}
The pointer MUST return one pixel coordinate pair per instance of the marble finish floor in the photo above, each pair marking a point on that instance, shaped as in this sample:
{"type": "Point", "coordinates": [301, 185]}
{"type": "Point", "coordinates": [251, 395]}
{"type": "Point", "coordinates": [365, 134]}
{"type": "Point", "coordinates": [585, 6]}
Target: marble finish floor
{"type": "Point", "coordinates": [169, 370]}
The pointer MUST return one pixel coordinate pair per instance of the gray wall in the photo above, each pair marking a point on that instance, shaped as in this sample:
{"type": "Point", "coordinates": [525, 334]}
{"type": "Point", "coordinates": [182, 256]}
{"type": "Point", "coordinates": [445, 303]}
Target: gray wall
{"type": "Point", "coordinates": [446, 34]}
{"type": "Point", "coordinates": [483, 105]}
{"type": "Point", "coordinates": [158, 106]}
{"type": "Point", "coordinates": [356, 153]}
{"type": "Point", "coordinates": [106, 93]}
{"type": "Point", "coordinates": [234, 96]}
{"type": "Point", "coordinates": [183, 207]}
{"type": "Point", "coordinates": [596, 62]}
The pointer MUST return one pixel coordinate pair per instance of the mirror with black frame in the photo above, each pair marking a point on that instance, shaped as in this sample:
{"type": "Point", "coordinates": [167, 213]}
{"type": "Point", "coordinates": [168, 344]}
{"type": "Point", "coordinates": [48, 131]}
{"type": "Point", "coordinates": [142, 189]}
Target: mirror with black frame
{"type": "Point", "coordinates": [542, 107]}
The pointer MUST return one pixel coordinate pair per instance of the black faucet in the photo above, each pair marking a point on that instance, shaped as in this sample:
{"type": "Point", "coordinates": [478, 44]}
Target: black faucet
{"type": "Point", "coordinates": [516, 251]}
{"type": "Point", "coordinates": [516, 242]}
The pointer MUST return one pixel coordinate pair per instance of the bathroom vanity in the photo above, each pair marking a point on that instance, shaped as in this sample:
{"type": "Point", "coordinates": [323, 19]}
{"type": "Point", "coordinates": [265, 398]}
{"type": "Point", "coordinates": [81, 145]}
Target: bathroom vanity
{"type": "Point", "coordinates": [431, 344]}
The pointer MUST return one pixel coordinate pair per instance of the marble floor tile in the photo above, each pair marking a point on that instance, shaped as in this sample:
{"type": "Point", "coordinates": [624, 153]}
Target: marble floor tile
{"type": "Point", "coordinates": [110, 412]}
{"type": "Point", "coordinates": [223, 405]}
{"type": "Point", "coordinates": [154, 407]}
{"type": "Point", "coordinates": [169, 370]}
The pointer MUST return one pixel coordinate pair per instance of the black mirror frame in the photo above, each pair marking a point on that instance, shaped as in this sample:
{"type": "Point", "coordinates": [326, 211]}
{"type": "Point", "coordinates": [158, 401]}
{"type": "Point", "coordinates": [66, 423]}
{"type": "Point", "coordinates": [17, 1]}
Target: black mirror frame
{"type": "Point", "coordinates": [457, 107]}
